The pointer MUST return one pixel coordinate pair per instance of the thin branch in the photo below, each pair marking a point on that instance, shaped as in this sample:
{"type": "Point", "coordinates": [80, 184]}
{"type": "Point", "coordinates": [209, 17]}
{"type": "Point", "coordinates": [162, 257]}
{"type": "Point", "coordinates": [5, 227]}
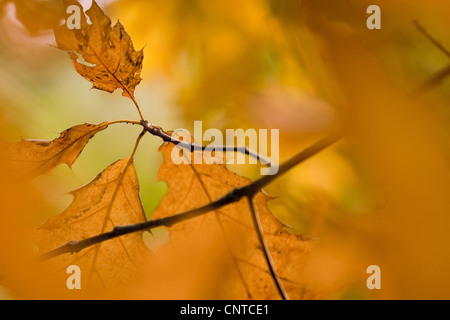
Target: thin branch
{"type": "Point", "coordinates": [435, 80]}
{"type": "Point", "coordinates": [231, 197]}
{"type": "Point", "coordinates": [167, 137]}
{"type": "Point", "coordinates": [295, 160]}
{"type": "Point", "coordinates": [76, 246]}
{"type": "Point", "coordinates": [265, 248]}
{"type": "Point", "coordinates": [438, 76]}
{"type": "Point", "coordinates": [431, 38]}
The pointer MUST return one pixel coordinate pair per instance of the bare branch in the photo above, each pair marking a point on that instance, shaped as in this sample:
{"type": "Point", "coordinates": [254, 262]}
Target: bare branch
{"type": "Point", "coordinates": [431, 38]}
{"type": "Point", "coordinates": [167, 137]}
{"type": "Point", "coordinates": [76, 246]}
{"type": "Point", "coordinates": [438, 76]}
{"type": "Point", "coordinates": [435, 80]}
{"type": "Point", "coordinates": [233, 196]}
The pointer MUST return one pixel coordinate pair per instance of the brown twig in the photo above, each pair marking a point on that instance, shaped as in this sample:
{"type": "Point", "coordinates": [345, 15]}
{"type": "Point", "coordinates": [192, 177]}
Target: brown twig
{"type": "Point", "coordinates": [438, 76]}
{"type": "Point", "coordinates": [233, 196]}
{"type": "Point", "coordinates": [431, 38]}
{"type": "Point", "coordinates": [166, 136]}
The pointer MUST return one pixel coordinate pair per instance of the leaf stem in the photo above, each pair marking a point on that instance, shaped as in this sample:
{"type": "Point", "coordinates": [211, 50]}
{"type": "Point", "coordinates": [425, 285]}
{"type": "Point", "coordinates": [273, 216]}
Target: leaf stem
{"type": "Point", "coordinates": [114, 196]}
{"type": "Point", "coordinates": [122, 121]}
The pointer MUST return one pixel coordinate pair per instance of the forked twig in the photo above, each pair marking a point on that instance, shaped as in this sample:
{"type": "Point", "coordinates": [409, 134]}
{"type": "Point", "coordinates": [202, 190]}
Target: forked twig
{"type": "Point", "coordinates": [248, 191]}
{"type": "Point", "coordinates": [231, 197]}
{"type": "Point", "coordinates": [167, 137]}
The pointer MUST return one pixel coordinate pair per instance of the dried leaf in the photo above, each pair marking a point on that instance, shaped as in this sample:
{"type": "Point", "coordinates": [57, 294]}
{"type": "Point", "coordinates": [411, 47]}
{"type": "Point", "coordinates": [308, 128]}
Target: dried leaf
{"type": "Point", "coordinates": [205, 239]}
{"type": "Point", "coordinates": [102, 54]}
{"type": "Point", "coordinates": [97, 208]}
{"type": "Point", "coordinates": [30, 158]}
{"type": "Point", "coordinates": [38, 15]}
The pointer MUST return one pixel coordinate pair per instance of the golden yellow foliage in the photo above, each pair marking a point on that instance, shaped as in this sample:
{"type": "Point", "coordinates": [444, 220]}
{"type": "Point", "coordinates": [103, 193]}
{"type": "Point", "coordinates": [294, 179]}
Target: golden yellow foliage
{"type": "Point", "coordinates": [379, 197]}
{"type": "Point", "coordinates": [111, 199]}
{"type": "Point", "coordinates": [30, 158]}
{"type": "Point", "coordinates": [103, 55]}
{"type": "Point", "coordinates": [218, 256]}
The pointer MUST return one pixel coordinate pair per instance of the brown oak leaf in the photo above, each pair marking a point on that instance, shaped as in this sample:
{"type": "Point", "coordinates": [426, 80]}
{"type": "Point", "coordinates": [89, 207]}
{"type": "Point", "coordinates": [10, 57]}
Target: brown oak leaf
{"type": "Point", "coordinates": [111, 199]}
{"type": "Point", "coordinates": [218, 255]}
{"type": "Point", "coordinates": [30, 158]}
{"type": "Point", "coordinates": [102, 54]}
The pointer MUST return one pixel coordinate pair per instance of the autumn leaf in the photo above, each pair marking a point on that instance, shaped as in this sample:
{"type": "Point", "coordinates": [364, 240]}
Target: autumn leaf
{"type": "Point", "coordinates": [102, 54]}
{"type": "Point", "coordinates": [37, 16]}
{"type": "Point", "coordinates": [224, 243]}
{"type": "Point", "coordinates": [111, 199]}
{"type": "Point", "coordinates": [30, 158]}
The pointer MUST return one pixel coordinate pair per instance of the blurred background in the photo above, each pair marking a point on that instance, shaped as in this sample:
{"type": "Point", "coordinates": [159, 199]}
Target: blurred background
{"type": "Point", "coordinates": [380, 196]}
